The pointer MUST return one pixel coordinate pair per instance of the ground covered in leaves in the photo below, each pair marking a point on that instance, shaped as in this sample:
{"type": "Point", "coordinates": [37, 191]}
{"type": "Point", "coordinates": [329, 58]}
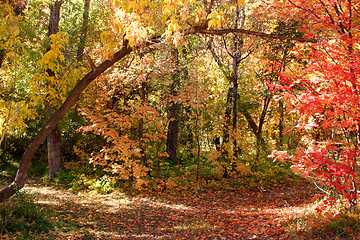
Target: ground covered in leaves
{"type": "Point", "coordinates": [224, 214]}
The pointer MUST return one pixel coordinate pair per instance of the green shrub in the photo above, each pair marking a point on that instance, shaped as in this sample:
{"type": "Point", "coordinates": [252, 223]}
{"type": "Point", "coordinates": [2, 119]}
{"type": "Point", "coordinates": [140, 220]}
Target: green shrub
{"type": "Point", "coordinates": [81, 175]}
{"type": "Point", "coordinates": [81, 181]}
{"type": "Point", "coordinates": [102, 185]}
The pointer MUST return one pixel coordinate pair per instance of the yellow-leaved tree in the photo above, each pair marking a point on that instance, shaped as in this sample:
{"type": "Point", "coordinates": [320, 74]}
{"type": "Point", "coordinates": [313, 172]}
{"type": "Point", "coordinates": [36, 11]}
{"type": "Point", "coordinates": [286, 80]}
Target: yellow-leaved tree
{"type": "Point", "coordinates": [130, 26]}
{"type": "Point", "coordinates": [14, 108]}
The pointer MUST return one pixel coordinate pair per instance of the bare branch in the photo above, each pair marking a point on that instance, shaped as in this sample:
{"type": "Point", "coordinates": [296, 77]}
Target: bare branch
{"type": "Point", "coordinates": [308, 10]}
{"type": "Point", "coordinates": [200, 30]}
{"type": "Point", "coordinates": [92, 64]}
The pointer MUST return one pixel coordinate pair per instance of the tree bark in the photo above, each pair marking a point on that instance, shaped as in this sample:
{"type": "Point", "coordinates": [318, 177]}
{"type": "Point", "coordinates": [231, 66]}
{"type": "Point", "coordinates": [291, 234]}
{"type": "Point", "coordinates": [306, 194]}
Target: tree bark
{"type": "Point", "coordinates": [281, 124]}
{"type": "Point", "coordinates": [227, 114]}
{"type": "Point", "coordinates": [281, 104]}
{"type": "Point", "coordinates": [220, 32]}
{"type": "Point", "coordinates": [54, 18]}
{"type": "Point", "coordinates": [141, 126]}
{"type": "Point", "coordinates": [54, 138]}
{"type": "Point", "coordinates": [54, 152]}
{"type": "Point", "coordinates": [238, 45]}
{"type": "Point", "coordinates": [173, 132]}
{"type": "Point", "coordinates": [173, 128]}
{"type": "Point", "coordinates": [2, 56]}
{"type": "Point", "coordinates": [73, 97]}
{"type": "Point", "coordinates": [84, 30]}
{"type": "Point", "coordinates": [234, 110]}
{"type": "Point", "coordinates": [220, 146]}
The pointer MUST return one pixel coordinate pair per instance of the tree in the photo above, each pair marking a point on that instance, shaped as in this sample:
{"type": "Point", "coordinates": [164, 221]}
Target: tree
{"type": "Point", "coordinates": [54, 138]}
{"type": "Point", "coordinates": [325, 96]}
{"type": "Point", "coordinates": [174, 108]}
{"type": "Point", "coordinates": [135, 27]}
{"type": "Point", "coordinates": [13, 110]}
{"type": "Point", "coordinates": [239, 49]}
{"type": "Point", "coordinates": [84, 30]}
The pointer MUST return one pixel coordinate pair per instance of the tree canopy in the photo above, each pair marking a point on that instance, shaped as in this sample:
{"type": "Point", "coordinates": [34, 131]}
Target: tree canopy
{"type": "Point", "coordinates": [168, 91]}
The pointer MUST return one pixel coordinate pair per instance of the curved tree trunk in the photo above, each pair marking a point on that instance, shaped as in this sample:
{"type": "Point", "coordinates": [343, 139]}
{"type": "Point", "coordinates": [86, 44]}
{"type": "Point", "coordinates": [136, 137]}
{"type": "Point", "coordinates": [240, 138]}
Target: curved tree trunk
{"type": "Point", "coordinates": [21, 174]}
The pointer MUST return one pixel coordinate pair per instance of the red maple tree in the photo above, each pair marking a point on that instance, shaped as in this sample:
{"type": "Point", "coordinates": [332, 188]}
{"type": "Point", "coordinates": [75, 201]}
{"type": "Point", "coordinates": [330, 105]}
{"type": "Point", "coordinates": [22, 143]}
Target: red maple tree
{"type": "Point", "coordinates": [324, 91]}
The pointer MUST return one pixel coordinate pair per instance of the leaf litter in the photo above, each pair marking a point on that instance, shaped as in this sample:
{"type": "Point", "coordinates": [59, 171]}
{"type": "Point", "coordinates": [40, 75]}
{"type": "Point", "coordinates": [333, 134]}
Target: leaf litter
{"type": "Point", "coordinates": [225, 214]}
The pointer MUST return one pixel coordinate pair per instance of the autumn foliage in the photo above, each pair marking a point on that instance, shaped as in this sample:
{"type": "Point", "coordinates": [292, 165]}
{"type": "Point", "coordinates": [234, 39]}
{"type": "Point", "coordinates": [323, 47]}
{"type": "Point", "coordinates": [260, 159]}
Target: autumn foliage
{"type": "Point", "coordinates": [324, 92]}
{"type": "Point", "coordinates": [170, 96]}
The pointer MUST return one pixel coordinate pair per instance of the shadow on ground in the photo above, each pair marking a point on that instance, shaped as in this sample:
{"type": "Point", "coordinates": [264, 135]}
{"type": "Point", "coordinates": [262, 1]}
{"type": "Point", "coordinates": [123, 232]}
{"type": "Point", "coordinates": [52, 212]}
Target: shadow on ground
{"type": "Point", "coordinates": [209, 215]}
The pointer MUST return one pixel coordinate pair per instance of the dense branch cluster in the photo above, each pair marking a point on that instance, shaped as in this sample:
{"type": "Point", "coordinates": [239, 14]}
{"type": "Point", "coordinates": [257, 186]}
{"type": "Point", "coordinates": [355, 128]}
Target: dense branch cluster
{"type": "Point", "coordinates": [208, 88]}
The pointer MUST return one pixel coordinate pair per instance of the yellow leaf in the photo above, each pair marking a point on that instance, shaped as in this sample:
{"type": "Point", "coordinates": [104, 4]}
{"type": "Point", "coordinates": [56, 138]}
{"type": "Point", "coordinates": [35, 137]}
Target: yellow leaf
{"type": "Point", "coordinates": [215, 20]}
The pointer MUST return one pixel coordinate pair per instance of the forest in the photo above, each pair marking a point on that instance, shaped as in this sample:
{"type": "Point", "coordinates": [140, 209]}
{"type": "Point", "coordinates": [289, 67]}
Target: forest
{"type": "Point", "coordinates": [179, 119]}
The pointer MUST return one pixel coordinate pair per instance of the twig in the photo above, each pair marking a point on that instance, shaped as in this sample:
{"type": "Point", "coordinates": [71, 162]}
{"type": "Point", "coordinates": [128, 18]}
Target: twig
{"type": "Point", "coordinates": [93, 66]}
{"type": "Point", "coordinates": [322, 189]}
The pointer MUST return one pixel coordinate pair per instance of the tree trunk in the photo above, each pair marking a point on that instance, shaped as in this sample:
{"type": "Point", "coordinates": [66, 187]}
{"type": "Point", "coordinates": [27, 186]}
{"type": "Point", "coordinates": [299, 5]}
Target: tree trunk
{"type": "Point", "coordinates": [141, 126]}
{"type": "Point", "coordinates": [2, 56]}
{"type": "Point", "coordinates": [84, 30]}
{"type": "Point", "coordinates": [174, 108]}
{"type": "Point", "coordinates": [197, 153]}
{"type": "Point", "coordinates": [229, 99]}
{"type": "Point", "coordinates": [73, 97]}
{"type": "Point", "coordinates": [238, 44]}
{"type": "Point", "coordinates": [281, 125]}
{"type": "Point", "coordinates": [173, 132]}
{"type": "Point", "coordinates": [281, 105]}
{"type": "Point", "coordinates": [54, 152]}
{"type": "Point", "coordinates": [54, 138]}
{"type": "Point", "coordinates": [234, 110]}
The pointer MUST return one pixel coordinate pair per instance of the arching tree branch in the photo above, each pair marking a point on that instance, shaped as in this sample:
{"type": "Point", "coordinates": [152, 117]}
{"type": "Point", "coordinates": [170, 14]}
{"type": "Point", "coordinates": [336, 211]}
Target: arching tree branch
{"type": "Point", "coordinates": [56, 117]}
{"type": "Point", "coordinates": [200, 30]}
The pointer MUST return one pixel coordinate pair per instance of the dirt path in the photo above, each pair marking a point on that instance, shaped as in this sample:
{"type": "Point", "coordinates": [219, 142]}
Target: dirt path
{"type": "Point", "coordinates": [218, 215]}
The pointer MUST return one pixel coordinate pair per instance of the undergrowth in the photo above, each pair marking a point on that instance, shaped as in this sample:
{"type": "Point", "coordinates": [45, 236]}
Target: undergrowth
{"type": "Point", "coordinates": [21, 216]}
{"type": "Point", "coordinates": [313, 225]}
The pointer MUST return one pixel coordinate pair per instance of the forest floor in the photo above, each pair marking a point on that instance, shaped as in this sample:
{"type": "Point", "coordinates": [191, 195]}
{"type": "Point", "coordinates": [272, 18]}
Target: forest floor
{"type": "Point", "coordinates": [224, 214]}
